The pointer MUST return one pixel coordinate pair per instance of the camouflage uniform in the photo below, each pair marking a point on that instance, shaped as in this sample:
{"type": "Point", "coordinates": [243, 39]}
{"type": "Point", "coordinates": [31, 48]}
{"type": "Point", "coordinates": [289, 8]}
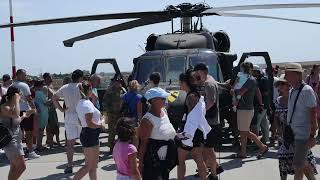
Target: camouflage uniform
{"type": "Point", "coordinates": [111, 104]}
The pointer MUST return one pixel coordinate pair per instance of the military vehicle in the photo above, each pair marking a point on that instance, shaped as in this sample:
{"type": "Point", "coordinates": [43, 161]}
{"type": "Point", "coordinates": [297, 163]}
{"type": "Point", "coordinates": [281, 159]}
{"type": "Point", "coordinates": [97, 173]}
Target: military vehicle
{"type": "Point", "coordinates": [173, 53]}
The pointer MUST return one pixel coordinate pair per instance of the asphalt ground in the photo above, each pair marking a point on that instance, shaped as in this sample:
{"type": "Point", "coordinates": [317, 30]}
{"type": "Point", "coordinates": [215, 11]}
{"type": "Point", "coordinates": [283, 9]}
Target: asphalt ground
{"type": "Point", "coordinates": [51, 164]}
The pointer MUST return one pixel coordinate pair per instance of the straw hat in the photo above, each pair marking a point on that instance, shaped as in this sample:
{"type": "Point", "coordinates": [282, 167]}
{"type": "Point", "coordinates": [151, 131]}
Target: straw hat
{"type": "Point", "coordinates": [294, 67]}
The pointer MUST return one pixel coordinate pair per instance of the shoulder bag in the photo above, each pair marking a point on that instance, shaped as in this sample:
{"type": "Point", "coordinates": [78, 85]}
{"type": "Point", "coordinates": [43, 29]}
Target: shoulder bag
{"type": "Point", "coordinates": [288, 135]}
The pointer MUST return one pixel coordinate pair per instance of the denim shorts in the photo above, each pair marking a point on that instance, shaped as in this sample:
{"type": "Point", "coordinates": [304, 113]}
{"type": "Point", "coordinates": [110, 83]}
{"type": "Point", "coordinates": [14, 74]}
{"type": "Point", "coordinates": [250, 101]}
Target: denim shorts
{"type": "Point", "coordinates": [89, 137]}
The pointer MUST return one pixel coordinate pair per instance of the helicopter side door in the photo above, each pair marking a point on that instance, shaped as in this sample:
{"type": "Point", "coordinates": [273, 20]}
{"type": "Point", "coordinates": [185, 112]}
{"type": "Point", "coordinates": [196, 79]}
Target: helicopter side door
{"type": "Point", "coordinates": [107, 69]}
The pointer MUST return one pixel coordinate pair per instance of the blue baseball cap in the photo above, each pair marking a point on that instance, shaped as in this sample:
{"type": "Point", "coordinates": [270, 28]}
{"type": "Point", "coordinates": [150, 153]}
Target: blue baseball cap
{"type": "Point", "coordinates": [156, 93]}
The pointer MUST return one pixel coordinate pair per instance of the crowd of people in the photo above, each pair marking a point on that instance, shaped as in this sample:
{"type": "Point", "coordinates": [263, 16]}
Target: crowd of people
{"type": "Point", "coordinates": [142, 140]}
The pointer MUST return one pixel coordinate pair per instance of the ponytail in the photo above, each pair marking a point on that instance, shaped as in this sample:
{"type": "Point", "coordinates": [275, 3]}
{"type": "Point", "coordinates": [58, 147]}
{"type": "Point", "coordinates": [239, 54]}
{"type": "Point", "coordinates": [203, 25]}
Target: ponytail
{"type": "Point", "coordinates": [10, 93]}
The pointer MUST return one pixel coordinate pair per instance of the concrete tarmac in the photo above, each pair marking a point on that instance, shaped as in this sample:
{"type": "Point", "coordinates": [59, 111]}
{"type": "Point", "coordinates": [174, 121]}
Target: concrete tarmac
{"type": "Point", "coordinates": [51, 164]}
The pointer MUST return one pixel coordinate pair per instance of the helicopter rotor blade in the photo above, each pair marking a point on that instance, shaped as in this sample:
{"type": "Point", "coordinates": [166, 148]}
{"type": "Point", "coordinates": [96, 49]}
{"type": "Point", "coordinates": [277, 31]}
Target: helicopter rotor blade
{"type": "Point", "coordinates": [117, 28]}
{"type": "Point", "coordinates": [262, 6]}
{"type": "Point", "coordinates": [133, 15]}
{"type": "Point", "coordinates": [265, 17]}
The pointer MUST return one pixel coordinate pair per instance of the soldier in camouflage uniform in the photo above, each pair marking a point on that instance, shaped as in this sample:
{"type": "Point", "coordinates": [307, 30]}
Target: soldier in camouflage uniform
{"type": "Point", "coordinates": [112, 104]}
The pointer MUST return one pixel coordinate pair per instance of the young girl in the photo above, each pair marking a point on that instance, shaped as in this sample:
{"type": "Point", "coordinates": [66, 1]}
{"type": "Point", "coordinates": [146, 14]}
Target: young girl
{"type": "Point", "coordinates": [124, 152]}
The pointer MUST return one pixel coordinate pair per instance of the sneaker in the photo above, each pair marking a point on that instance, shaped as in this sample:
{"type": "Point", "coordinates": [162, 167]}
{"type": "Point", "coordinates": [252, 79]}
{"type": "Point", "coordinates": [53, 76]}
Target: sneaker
{"type": "Point", "coordinates": [68, 170]}
{"type": "Point", "coordinates": [2, 151]}
{"type": "Point", "coordinates": [33, 155]}
{"type": "Point", "coordinates": [211, 177]}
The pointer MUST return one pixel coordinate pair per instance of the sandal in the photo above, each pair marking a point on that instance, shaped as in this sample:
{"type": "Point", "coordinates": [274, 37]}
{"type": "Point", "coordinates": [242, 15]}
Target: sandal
{"type": "Point", "coordinates": [261, 154]}
{"type": "Point", "coordinates": [219, 170]}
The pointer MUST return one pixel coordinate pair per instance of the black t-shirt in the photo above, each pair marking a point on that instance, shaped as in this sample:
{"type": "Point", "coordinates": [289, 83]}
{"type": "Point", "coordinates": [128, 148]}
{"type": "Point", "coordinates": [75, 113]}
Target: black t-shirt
{"type": "Point", "coordinates": [263, 84]}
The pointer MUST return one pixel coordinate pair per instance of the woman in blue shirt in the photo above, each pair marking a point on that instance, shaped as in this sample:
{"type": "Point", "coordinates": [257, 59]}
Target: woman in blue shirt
{"type": "Point", "coordinates": [130, 101]}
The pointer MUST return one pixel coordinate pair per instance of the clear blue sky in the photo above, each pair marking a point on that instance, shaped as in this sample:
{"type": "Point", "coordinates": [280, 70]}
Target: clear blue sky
{"type": "Point", "coordinates": [40, 48]}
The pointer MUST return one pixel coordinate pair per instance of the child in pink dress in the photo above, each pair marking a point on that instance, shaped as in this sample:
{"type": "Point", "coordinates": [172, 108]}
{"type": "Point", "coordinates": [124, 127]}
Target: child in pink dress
{"type": "Point", "coordinates": [125, 153]}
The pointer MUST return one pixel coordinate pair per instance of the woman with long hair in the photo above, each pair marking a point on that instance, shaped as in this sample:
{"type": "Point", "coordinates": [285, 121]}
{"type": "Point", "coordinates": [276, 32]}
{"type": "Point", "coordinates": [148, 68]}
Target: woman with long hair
{"type": "Point", "coordinates": [187, 84]}
{"type": "Point", "coordinates": [245, 110]}
{"type": "Point", "coordinates": [91, 122]}
{"type": "Point", "coordinates": [10, 118]}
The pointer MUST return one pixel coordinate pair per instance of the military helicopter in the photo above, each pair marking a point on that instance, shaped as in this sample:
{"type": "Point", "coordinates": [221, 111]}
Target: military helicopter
{"type": "Point", "coordinates": [173, 53]}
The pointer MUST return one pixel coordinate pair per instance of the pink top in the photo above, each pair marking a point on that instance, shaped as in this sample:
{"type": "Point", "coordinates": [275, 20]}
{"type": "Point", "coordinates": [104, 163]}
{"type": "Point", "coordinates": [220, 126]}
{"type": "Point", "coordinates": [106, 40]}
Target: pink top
{"type": "Point", "coordinates": [121, 151]}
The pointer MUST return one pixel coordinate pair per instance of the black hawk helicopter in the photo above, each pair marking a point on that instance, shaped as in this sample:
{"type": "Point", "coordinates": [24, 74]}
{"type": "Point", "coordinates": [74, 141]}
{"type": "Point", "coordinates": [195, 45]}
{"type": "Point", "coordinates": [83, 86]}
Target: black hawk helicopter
{"type": "Point", "coordinates": [173, 53]}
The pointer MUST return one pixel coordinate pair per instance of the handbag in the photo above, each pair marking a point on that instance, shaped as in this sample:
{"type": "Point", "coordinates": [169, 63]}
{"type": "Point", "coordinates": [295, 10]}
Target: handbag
{"type": "Point", "coordinates": [5, 135]}
{"type": "Point", "coordinates": [288, 135]}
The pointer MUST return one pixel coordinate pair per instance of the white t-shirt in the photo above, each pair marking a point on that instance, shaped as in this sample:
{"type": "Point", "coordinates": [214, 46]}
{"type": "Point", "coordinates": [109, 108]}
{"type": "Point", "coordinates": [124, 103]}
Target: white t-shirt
{"type": "Point", "coordinates": [71, 95]}
{"type": "Point", "coordinates": [4, 90]}
{"type": "Point", "coordinates": [25, 90]}
{"type": "Point", "coordinates": [84, 107]}
{"type": "Point", "coordinates": [300, 124]}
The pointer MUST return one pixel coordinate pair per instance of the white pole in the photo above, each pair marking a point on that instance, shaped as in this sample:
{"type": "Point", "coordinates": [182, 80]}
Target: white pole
{"type": "Point", "coordinates": [12, 42]}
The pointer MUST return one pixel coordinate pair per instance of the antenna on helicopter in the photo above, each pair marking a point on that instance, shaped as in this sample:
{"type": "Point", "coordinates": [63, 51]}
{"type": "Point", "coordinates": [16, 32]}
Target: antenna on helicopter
{"type": "Point", "coordinates": [196, 25]}
{"type": "Point", "coordinates": [141, 48]}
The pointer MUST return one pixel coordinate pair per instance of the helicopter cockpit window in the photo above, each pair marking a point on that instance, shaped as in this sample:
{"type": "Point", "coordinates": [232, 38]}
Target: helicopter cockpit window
{"type": "Point", "coordinates": [148, 65]}
{"type": "Point", "coordinates": [106, 71]}
{"type": "Point", "coordinates": [211, 61]}
{"type": "Point", "coordinates": [175, 66]}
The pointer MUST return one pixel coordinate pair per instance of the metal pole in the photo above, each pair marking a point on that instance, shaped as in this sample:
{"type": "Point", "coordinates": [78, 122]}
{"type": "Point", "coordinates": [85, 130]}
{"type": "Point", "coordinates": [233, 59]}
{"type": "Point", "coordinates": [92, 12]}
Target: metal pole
{"type": "Point", "coordinates": [12, 42]}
